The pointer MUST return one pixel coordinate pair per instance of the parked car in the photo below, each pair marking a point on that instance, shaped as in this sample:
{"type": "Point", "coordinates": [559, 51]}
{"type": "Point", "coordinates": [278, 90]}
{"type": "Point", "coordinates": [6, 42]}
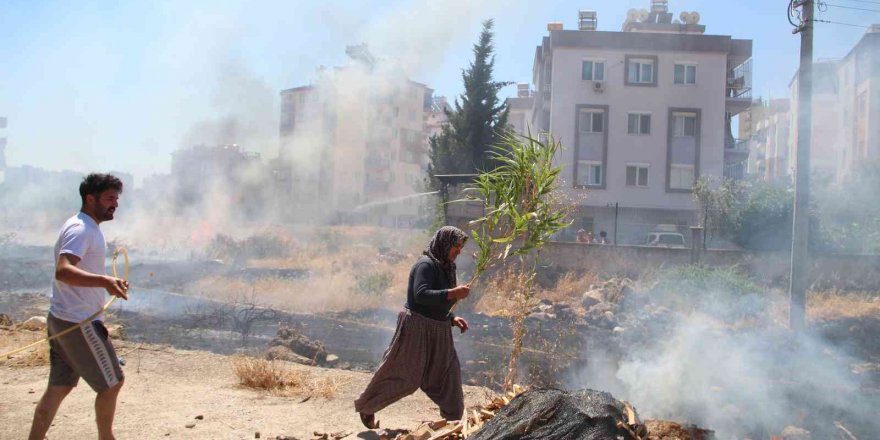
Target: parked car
{"type": "Point", "coordinates": [665, 239]}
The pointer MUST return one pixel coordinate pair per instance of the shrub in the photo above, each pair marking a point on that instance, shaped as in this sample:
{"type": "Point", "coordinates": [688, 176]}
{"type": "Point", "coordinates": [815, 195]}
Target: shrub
{"type": "Point", "coordinates": [374, 283]}
{"type": "Point", "coordinates": [278, 378]}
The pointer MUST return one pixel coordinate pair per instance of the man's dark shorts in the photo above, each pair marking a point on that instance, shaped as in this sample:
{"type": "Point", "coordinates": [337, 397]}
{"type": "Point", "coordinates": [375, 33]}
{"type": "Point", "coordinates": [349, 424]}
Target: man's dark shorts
{"type": "Point", "coordinates": [86, 352]}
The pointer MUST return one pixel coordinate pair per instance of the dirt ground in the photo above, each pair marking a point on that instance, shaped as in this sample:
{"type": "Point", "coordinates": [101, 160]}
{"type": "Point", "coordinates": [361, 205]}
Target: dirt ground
{"type": "Point", "coordinates": [166, 389]}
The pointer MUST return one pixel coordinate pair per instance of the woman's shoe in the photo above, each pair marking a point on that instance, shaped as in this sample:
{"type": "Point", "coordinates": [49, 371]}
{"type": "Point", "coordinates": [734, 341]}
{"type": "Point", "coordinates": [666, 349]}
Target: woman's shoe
{"type": "Point", "coordinates": [369, 420]}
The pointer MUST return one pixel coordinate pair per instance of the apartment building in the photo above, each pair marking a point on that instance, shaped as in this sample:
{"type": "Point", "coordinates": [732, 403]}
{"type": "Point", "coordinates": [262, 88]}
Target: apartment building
{"type": "Point", "coordinates": [354, 144]}
{"type": "Point", "coordinates": [766, 126]}
{"type": "Point", "coordinates": [825, 144]}
{"type": "Point", "coordinates": [642, 113]}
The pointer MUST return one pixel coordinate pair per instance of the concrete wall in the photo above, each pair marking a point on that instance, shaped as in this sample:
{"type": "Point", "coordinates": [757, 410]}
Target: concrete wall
{"type": "Point", "coordinates": [851, 272]}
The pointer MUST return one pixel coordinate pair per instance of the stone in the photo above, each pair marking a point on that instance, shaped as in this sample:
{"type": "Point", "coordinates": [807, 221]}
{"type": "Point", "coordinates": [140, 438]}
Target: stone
{"type": "Point", "coordinates": [34, 323]}
{"type": "Point", "coordinates": [191, 425]}
{"type": "Point", "coordinates": [5, 320]}
{"type": "Point", "coordinates": [589, 301]}
{"type": "Point", "coordinates": [282, 353]}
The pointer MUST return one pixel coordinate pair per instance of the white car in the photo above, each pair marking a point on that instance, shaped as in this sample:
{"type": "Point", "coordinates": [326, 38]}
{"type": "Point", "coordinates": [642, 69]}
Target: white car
{"type": "Point", "coordinates": [665, 239]}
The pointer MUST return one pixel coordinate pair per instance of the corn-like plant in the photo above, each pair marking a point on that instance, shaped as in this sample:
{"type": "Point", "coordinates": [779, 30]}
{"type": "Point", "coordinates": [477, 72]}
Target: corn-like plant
{"type": "Point", "coordinates": [519, 199]}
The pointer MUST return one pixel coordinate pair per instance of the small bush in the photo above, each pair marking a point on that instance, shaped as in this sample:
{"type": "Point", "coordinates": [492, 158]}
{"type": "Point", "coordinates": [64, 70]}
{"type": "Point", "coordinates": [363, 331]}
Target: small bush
{"type": "Point", "coordinates": [374, 283]}
{"type": "Point", "coordinates": [278, 378]}
{"type": "Point", "coordinates": [723, 292]}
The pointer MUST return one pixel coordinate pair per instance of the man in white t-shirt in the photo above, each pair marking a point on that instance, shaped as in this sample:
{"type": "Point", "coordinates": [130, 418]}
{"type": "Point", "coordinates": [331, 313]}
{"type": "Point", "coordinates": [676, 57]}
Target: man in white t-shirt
{"type": "Point", "coordinates": [78, 293]}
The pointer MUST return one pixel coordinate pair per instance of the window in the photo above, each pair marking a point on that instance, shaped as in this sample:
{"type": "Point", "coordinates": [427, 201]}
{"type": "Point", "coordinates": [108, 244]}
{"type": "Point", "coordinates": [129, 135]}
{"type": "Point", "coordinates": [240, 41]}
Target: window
{"type": "Point", "coordinates": [302, 99]}
{"type": "Point", "coordinates": [640, 71]}
{"type": "Point", "coordinates": [638, 123]}
{"type": "Point", "coordinates": [591, 121]}
{"type": "Point", "coordinates": [589, 173]}
{"type": "Point", "coordinates": [636, 175]}
{"type": "Point", "coordinates": [681, 176]}
{"type": "Point", "coordinates": [593, 71]}
{"type": "Point", "coordinates": [684, 124]}
{"type": "Point", "coordinates": [685, 74]}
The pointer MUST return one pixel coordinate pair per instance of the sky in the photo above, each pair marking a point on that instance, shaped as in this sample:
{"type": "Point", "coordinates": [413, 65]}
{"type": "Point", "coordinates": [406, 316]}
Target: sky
{"type": "Point", "coordinates": [118, 86]}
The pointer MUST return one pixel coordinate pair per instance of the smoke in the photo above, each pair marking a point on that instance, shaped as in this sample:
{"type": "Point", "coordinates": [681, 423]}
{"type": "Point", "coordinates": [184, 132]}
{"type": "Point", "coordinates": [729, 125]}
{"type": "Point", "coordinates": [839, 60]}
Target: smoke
{"type": "Point", "coordinates": [723, 365]}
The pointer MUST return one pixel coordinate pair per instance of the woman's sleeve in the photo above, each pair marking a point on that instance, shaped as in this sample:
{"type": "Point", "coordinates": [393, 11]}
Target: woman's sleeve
{"type": "Point", "coordinates": [424, 283]}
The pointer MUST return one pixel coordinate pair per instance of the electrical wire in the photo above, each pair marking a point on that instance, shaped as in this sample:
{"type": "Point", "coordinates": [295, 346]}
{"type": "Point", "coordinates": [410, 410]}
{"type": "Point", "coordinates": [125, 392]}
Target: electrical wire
{"type": "Point", "coordinates": [864, 1]}
{"type": "Point", "coordinates": [839, 23]}
{"type": "Point", "coordinates": [848, 7]}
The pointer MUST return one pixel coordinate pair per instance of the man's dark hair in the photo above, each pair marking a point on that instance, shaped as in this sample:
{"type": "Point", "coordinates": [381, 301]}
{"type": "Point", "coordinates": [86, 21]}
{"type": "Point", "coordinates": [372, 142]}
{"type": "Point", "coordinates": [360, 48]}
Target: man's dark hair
{"type": "Point", "coordinates": [96, 183]}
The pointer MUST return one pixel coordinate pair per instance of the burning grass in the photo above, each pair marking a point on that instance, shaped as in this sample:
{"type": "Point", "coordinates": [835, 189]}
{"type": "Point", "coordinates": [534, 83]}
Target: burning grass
{"type": "Point", "coordinates": [832, 305]}
{"type": "Point", "coordinates": [281, 379]}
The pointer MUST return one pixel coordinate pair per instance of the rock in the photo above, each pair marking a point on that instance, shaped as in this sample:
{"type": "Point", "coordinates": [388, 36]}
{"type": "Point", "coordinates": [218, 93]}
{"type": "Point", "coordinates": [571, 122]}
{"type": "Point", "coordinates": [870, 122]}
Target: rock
{"type": "Point", "coordinates": [618, 329]}
{"type": "Point", "coordinates": [589, 300]}
{"type": "Point", "coordinates": [601, 308]}
{"type": "Point", "coordinates": [556, 415]}
{"type": "Point", "coordinates": [200, 417]}
{"type": "Point", "coordinates": [542, 316]}
{"type": "Point", "coordinates": [282, 353]}
{"type": "Point", "coordinates": [191, 425]}
{"type": "Point", "coordinates": [5, 320]}
{"type": "Point", "coordinates": [34, 323]}
{"type": "Point", "coordinates": [300, 345]}
{"type": "Point", "coordinates": [117, 332]}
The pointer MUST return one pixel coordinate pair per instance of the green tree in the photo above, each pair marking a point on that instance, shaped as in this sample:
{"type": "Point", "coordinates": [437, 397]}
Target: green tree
{"type": "Point", "coordinates": [477, 122]}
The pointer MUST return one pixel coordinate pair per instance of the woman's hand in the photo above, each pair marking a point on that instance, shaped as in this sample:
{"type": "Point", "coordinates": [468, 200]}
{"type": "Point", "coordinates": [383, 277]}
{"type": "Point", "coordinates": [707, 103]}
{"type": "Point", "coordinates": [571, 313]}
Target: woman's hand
{"type": "Point", "coordinates": [460, 323]}
{"type": "Point", "coordinates": [460, 292]}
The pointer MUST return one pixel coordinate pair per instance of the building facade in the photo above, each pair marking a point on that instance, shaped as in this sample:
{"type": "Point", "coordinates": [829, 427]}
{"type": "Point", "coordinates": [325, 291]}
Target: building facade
{"type": "Point", "coordinates": [767, 127]}
{"type": "Point", "coordinates": [354, 146]}
{"type": "Point", "coordinates": [642, 114]}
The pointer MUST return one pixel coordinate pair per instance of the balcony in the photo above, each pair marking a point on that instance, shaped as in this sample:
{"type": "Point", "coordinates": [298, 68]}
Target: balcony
{"type": "Point", "coordinates": [738, 91]}
{"type": "Point", "coordinates": [736, 150]}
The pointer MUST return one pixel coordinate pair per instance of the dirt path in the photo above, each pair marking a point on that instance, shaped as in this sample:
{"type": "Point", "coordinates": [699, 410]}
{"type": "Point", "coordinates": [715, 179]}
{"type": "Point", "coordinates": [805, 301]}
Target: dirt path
{"type": "Point", "coordinates": [166, 389]}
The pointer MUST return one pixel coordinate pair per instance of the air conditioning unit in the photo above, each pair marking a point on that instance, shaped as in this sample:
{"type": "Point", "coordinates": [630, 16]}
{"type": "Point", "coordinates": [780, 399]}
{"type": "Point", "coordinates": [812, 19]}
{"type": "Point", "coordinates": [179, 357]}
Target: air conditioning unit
{"type": "Point", "coordinates": [598, 86]}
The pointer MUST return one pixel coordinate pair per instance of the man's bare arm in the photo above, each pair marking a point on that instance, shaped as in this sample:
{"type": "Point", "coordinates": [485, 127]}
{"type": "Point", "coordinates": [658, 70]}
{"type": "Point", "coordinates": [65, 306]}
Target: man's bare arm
{"type": "Point", "coordinates": [68, 272]}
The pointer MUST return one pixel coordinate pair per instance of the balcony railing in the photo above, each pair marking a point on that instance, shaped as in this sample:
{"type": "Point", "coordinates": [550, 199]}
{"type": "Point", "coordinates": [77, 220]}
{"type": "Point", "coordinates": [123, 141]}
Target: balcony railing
{"type": "Point", "coordinates": [737, 144]}
{"type": "Point", "coordinates": [739, 81]}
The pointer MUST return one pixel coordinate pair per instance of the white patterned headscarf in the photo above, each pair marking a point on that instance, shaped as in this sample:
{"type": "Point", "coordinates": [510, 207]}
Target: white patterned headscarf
{"type": "Point", "coordinates": [438, 249]}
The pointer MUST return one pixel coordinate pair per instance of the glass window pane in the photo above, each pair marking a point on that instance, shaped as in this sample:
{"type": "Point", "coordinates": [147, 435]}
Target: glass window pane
{"type": "Point", "coordinates": [600, 72]}
{"type": "Point", "coordinates": [631, 176]}
{"type": "Point", "coordinates": [632, 124]}
{"type": "Point", "coordinates": [643, 177]}
{"type": "Point", "coordinates": [587, 70]}
{"type": "Point", "coordinates": [583, 174]}
{"type": "Point", "coordinates": [598, 122]}
{"type": "Point", "coordinates": [691, 74]}
{"type": "Point", "coordinates": [633, 72]}
{"type": "Point", "coordinates": [596, 176]}
{"type": "Point", "coordinates": [690, 126]}
{"type": "Point", "coordinates": [646, 124]}
{"type": "Point", "coordinates": [585, 122]}
{"type": "Point", "coordinates": [647, 73]}
{"type": "Point", "coordinates": [679, 74]}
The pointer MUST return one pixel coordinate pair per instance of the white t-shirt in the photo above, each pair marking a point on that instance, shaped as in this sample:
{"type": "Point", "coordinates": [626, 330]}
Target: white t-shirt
{"type": "Point", "coordinates": [81, 237]}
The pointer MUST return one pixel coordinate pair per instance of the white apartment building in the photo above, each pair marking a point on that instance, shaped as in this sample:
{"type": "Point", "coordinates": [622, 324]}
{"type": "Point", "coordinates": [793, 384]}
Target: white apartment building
{"type": "Point", "coordinates": [641, 113]}
{"type": "Point", "coordinates": [767, 127]}
{"type": "Point", "coordinates": [354, 145]}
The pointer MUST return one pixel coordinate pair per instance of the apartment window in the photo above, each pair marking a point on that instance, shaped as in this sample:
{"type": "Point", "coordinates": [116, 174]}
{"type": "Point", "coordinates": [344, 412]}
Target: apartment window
{"type": "Point", "coordinates": [638, 123]}
{"type": "Point", "coordinates": [394, 133]}
{"type": "Point", "coordinates": [589, 173]}
{"type": "Point", "coordinates": [591, 121]}
{"type": "Point", "coordinates": [302, 99]}
{"type": "Point", "coordinates": [685, 74]}
{"type": "Point", "coordinates": [640, 71]}
{"type": "Point", "coordinates": [681, 177]}
{"type": "Point", "coordinates": [593, 70]}
{"type": "Point", "coordinates": [684, 124]}
{"type": "Point", "coordinates": [637, 175]}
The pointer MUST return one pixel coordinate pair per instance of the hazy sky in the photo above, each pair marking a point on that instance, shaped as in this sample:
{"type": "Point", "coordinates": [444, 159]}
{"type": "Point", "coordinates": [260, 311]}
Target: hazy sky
{"type": "Point", "coordinates": [101, 85]}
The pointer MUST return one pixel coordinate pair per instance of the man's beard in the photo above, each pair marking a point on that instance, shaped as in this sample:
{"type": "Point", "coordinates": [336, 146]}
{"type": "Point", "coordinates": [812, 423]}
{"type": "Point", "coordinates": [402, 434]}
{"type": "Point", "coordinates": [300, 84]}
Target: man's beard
{"type": "Point", "coordinates": [107, 214]}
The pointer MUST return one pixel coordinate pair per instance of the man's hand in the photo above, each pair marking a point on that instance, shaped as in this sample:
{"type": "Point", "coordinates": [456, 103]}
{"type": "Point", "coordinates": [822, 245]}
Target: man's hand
{"type": "Point", "coordinates": [460, 323]}
{"type": "Point", "coordinates": [116, 287]}
{"type": "Point", "coordinates": [460, 292]}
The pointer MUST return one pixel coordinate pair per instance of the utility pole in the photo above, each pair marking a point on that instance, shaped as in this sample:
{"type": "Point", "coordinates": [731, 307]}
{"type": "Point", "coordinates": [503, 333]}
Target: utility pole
{"type": "Point", "coordinates": [800, 258]}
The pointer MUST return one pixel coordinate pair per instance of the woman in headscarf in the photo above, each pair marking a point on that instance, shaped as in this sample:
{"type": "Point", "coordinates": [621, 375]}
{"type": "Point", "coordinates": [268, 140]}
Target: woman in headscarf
{"type": "Point", "coordinates": [421, 354]}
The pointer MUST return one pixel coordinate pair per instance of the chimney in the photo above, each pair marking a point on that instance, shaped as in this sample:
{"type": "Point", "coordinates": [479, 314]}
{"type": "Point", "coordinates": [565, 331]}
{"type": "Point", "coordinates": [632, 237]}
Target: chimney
{"type": "Point", "coordinates": [522, 90]}
{"type": "Point", "coordinates": [587, 20]}
{"type": "Point", "coordinates": [554, 26]}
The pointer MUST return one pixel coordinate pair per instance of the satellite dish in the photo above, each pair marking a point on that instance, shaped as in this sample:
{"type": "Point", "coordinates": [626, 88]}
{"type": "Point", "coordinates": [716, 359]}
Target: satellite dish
{"type": "Point", "coordinates": [685, 17]}
{"type": "Point", "coordinates": [643, 15]}
{"type": "Point", "coordinates": [696, 17]}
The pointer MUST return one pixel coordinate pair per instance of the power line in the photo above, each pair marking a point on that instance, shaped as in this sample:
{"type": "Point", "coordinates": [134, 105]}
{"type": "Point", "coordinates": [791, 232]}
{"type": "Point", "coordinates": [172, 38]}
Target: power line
{"type": "Point", "coordinates": [864, 1]}
{"type": "Point", "coordinates": [842, 24]}
{"type": "Point", "coordinates": [850, 7]}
